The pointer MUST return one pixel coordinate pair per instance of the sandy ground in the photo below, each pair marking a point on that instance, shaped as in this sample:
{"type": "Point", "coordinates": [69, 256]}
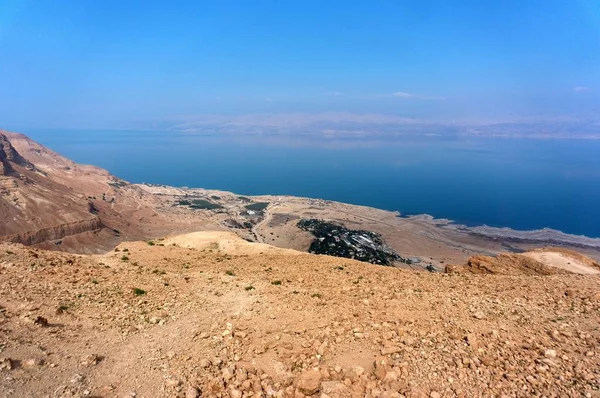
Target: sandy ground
{"type": "Point", "coordinates": [224, 241]}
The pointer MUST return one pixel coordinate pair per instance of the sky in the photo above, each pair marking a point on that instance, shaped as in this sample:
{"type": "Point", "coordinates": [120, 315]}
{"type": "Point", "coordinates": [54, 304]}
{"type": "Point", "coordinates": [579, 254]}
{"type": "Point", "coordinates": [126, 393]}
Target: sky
{"type": "Point", "coordinates": [84, 63]}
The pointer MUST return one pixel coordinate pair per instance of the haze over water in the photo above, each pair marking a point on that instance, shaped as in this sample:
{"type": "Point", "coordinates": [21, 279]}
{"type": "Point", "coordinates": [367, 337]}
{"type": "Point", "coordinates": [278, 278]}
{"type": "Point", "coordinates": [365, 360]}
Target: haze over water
{"type": "Point", "coordinates": [518, 183]}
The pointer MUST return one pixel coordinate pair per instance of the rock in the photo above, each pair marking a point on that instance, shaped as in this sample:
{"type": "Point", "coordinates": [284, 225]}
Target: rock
{"type": "Point", "coordinates": [334, 389]}
{"type": "Point", "coordinates": [77, 378]}
{"type": "Point", "coordinates": [33, 363]}
{"type": "Point", "coordinates": [390, 376]}
{"type": "Point", "coordinates": [479, 315]}
{"type": "Point", "coordinates": [90, 360]}
{"type": "Point", "coordinates": [417, 393]}
{"type": "Point", "coordinates": [435, 394]}
{"type": "Point", "coordinates": [390, 350]}
{"type": "Point", "coordinates": [40, 320]}
{"type": "Point", "coordinates": [192, 392]}
{"type": "Point", "coordinates": [6, 364]}
{"type": "Point", "coordinates": [487, 360]}
{"type": "Point", "coordinates": [173, 383]}
{"type": "Point", "coordinates": [205, 363]}
{"type": "Point", "coordinates": [309, 382]}
{"type": "Point", "coordinates": [359, 370]}
{"type": "Point", "coordinates": [550, 353]}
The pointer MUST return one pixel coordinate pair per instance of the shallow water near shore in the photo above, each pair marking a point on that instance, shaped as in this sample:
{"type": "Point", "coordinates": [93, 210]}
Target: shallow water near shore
{"type": "Point", "coordinates": [518, 183]}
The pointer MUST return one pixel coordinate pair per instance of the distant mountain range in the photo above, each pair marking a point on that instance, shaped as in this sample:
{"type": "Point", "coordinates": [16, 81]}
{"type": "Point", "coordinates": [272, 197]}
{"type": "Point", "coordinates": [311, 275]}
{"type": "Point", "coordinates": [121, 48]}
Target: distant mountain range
{"type": "Point", "coordinates": [341, 124]}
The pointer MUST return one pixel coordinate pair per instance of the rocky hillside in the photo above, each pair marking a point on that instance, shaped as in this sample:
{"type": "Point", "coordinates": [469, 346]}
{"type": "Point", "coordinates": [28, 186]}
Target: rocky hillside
{"type": "Point", "coordinates": [9, 156]}
{"type": "Point", "coordinates": [49, 201]}
{"type": "Point", "coordinates": [214, 316]}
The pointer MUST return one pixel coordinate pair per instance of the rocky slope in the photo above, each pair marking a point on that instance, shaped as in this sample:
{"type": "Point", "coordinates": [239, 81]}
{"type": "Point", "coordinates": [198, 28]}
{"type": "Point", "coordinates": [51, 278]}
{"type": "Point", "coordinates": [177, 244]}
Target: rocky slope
{"type": "Point", "coordinates": [212, 315]}
{"type": "Point", "coordinates": [49, 201]}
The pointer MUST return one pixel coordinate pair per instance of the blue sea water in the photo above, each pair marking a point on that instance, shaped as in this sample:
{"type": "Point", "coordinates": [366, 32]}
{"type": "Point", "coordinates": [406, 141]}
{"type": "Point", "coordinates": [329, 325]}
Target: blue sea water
{"type": "Point", "coordinates": [518, 183]}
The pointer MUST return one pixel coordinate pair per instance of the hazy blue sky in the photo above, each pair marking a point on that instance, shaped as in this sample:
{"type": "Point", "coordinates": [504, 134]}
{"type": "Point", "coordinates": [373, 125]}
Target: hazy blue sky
{"type": "Point", "coordinates": [102, 63]}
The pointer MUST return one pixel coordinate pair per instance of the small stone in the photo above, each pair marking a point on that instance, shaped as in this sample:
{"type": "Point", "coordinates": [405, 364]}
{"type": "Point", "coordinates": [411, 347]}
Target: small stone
{"type": "Point", "coordinates": [309, 382]}
{"type": "Point", "coordinates": [205, 363]}
{"type": "Point", "coordinates": [390, 376]}
{"type": "Point", "coordinates": [390, 350]}
{"type": "Point", "coordinates": [173, 383]}
{"type": "Point", "coordinates": [335, 389]}
{"type": "Point", "coordinates": [435, 394]}
{"type": "Point", "coordinates": [227, 374]}
{"type": "Point", "coordinates": [77, 378]}
{"type": "Point", "coordinates": [417, 393]}
{"type": "Point", "coordinates": [235, 393]}
{"type": "Point", "coordinates": [550, 353]}
{"type": "Point", "coordinates": [487, 360]}
{"type": "Point", "coordinates": [40, 320]}
{"type": "Point", "coordinates": [479, 315]}
{"type": "Point", "coordinates": [33, 363]}
{"type": "Point", "coordinates": [90, 360]}
{"type": "Point", "coordinates": [6, 364]}
{"type": "Point", "coordinates": [192, 392]}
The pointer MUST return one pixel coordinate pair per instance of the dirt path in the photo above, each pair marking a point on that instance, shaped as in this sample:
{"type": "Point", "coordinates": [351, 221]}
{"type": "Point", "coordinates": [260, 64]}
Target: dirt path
{"type": "Point", "coordinates": [265, 220]}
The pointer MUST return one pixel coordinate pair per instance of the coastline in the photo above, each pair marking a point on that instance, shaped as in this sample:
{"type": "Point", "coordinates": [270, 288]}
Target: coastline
{"type": "Point", "coordinates": [543, 235]}
{"type": "Point", "coordinates": [419, 235]}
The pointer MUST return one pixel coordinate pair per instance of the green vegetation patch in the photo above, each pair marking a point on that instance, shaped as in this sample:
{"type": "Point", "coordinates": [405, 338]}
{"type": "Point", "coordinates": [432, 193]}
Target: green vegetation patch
{"type": "Point", "coordinates": [200, 204]}
{"type": "Point", "coordinates": [260, 206]}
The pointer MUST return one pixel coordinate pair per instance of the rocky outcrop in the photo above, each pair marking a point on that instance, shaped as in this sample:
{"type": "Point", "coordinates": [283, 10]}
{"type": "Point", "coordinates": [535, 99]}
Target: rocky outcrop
{"type": "Point", "coordinates": [55, 232]}
{"type": "Point", "coordinates": [9, 155]}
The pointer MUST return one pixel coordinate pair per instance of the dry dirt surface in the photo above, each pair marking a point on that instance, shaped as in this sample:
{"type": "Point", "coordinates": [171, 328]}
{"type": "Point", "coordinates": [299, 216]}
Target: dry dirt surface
{"type": "Point", "coordinates": [156, 320]}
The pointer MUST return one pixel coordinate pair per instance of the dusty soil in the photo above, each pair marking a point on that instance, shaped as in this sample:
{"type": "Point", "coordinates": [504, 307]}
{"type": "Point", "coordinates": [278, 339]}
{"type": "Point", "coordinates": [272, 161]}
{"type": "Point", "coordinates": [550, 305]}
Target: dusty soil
{"type": "Point", "coordinates": [225, 318]}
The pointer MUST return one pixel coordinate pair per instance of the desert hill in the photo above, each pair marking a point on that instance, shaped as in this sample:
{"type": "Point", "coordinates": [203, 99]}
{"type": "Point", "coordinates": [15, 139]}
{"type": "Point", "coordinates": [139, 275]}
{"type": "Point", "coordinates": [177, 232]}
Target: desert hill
{"type": "Point", "coordinates": [212, 315]}
{"type": "Point", "coordinates": [52, 202]}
